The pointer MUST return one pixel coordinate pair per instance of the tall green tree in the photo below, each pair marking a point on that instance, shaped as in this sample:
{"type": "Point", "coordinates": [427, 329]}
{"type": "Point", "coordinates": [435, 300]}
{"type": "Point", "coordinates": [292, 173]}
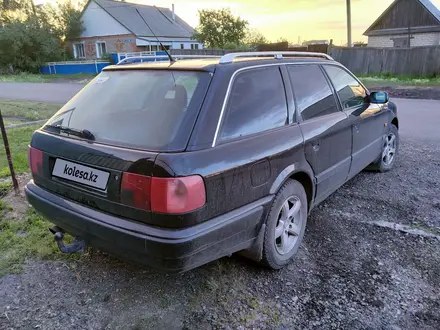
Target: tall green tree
{"type": "Point", "coordinates": [13, 10]}
{"type": "Point", "coordinates": [254, 38]}
{"type": "Point", "coordinates": [29, 38]}
{"type": "Point", "coordinates": [25, 46]}
{"type": "Point", "coordinates": [218, 28]}
{"type": "Point", "coordinates": [63, 18]}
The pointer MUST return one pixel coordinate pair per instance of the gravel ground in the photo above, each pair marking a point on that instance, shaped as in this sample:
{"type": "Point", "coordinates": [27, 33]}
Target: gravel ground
{"type": "Point", "coordinates": [350, 273]}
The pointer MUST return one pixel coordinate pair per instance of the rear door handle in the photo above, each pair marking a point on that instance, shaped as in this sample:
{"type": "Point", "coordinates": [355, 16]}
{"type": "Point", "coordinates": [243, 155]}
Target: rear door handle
{"type": "Point", "coordinates": [356, 128]}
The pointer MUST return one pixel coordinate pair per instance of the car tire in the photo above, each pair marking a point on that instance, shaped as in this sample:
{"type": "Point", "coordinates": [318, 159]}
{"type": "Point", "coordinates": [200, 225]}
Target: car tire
{"type": "Point", "coordinates": [388, 154]}
{"type": "Point", "coordinates": [285, 225]}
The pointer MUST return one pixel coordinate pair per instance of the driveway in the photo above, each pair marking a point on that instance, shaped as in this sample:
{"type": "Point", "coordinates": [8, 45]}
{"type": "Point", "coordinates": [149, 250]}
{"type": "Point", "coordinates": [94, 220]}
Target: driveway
{"type": "Point", "coordinates": [40, 92]}
{"type": "Point", "coordinates": [370, 260]}
{"type": "Point", "coordinates": [420, 119]}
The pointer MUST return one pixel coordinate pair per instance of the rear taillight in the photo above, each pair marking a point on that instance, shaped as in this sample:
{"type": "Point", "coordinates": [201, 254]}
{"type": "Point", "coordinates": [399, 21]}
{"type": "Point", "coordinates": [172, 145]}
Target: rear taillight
{"type": "Point", "coordinates": [177, 195]}
{"type": "Point", "coordinates": [163, 195]}
{"type": "Point", "coordinates": [35, 160]}
{"type": "Point", "coordinates": [135, 190]}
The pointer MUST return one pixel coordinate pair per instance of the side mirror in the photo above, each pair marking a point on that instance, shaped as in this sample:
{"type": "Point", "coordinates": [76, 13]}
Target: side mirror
{"type": "Point", "coordinates": [379, 97]}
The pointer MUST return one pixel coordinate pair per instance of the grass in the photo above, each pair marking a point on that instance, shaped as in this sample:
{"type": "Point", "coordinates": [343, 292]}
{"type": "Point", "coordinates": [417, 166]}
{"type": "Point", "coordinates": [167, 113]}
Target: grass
{"type": "Point", "coordinates": [45, 78]}
{"type": "Point", "coordinates": [23, 233]}
{"type": "Point", "coordinates": [388, 80]}
{"type": "Point", "coordinates": [19, 139]}
{"type": "Point", "coordinates": [27, 110]}
{"type": "Point", "coordinates": [5, 187]}
{"type": "Point", "coordinates": [23, 238]}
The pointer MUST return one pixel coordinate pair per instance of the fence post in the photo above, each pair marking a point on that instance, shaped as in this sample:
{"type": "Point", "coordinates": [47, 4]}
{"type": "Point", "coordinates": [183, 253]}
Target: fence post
{"type": "Point", "coordinates": [8, 154]}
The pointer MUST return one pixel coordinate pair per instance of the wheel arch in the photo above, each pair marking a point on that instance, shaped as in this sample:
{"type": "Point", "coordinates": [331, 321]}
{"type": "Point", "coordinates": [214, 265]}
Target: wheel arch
{"type": "Point", "coordinates": [300, 172]}
{"type": "Point", "coordinates": [395, 122]}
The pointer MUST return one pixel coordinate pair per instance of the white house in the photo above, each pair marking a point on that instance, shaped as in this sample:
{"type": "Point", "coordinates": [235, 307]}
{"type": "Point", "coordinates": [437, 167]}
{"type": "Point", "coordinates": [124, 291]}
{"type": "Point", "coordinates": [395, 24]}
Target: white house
{"type": "Point", "coordinates": [117, 27]}
{"type": "Point", "coordinates": [406, 23]}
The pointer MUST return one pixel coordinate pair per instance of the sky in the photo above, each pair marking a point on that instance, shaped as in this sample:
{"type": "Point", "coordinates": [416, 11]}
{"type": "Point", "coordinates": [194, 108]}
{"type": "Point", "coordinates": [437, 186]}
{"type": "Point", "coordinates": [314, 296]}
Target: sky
{"type": "Point", "coordinates": [290, 19]}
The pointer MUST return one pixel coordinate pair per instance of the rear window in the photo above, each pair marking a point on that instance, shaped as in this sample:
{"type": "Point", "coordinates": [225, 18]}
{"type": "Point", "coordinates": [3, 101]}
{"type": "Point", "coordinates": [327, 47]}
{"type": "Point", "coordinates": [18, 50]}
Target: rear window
{"type": "Point", "coordinates": [146, 109]}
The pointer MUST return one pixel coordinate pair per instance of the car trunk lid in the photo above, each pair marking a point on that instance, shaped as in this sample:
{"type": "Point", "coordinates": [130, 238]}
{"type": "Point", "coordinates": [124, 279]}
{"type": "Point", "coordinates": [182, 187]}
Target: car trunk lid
{"type": "Point", "coordinates": [90, 173]}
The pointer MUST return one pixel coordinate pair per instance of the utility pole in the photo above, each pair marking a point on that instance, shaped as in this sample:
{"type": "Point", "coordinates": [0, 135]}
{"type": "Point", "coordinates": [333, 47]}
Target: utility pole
{"type": "Point", "coordinates": [349, 44]}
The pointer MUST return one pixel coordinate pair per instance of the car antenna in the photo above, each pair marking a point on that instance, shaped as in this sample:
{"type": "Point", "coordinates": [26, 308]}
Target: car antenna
{"type": "Point", "coordinates": [172, 60]}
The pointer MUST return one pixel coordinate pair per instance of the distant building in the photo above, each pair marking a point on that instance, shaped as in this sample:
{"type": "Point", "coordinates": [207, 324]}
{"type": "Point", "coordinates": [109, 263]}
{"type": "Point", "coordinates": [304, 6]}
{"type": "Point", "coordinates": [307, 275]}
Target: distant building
{"type": "Point", "coordinates": [116, 27]}
{"type": "Point", "coordinates": [406, 23]}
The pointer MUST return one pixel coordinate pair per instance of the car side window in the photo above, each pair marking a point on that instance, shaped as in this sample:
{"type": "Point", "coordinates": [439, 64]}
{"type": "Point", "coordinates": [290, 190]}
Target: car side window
{"type": "Point", "coordinates": [257, 103]}
{"type": "Point", "coordinates": [350, 91]}
{"type": "Point", "coordinates": [312, 93]}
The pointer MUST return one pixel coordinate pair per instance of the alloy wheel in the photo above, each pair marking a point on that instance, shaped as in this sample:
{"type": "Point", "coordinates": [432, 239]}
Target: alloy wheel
{"type": "Point", "coordinates": [389, 150]}
{"type": "Point", "coordinates": [289, 225]}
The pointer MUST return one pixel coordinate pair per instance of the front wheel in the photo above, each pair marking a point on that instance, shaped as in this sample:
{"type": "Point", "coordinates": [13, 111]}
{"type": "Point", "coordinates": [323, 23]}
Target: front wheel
{"type": "Point", "coordinates": [388, 155]}
{"type": "Point", "coordinates": [285, 225]}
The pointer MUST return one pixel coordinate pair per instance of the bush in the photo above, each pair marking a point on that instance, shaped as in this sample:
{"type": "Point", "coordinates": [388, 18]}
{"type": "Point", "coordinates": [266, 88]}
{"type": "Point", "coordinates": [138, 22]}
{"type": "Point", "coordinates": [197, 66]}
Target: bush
{"type": "Point", "coordinates": [27, 45]}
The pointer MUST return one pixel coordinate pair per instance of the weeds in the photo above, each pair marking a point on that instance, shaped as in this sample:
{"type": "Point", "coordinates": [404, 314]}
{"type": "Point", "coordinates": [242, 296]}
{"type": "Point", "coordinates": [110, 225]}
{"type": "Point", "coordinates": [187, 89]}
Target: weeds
{"type": "Point", "coordinates": [19, 139]}
{"type": "Point", "coordinates": [44, 78]}
{"type": "Point", "coordinates": [26, 110]}
{"type": "Point", "coordinates": [5, 187]}
{"type": "Point", "coordinates": [24, 238]}
{"type": "Point", "coordinates": [387, 79]}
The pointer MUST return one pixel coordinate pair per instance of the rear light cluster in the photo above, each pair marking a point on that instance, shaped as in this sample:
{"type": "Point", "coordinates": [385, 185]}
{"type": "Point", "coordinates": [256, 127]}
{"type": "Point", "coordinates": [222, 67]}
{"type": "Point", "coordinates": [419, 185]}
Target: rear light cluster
{"type": "Point", "coordinates": [163, 195]}
{"type": "Point", "coordinates": [35, 160]}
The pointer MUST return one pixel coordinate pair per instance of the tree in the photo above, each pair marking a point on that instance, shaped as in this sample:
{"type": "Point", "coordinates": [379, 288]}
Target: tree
{"type": "Point", "coordinates": [282, 39]}
{"type": "Point", "coordinates": [63, 18]}
{"type": "Point", "coordinates": [30, 38]}
{"type": "Point", "coordinates": [219, 27]}
{"type": "Point", "coordinates": [13, 10]}
{"type": "Point", "coordinates": [254, 38]}
{"type": "Point", "coordinates": [27, 45]}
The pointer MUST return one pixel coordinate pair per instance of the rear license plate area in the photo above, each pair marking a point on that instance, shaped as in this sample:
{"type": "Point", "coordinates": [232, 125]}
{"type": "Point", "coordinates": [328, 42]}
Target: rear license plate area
{"type": "Point", "coordinates": [85, 175]}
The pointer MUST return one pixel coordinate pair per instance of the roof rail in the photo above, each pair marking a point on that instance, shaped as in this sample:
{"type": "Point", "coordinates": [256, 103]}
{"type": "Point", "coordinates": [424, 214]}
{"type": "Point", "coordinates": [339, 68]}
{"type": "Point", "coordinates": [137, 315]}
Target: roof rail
{"type": "Point", "coordinates": [229, 58]}
{"type": "Point", "coordinates": [165, 57]}
{"type": "Point", "coordinates": [126, 59]}
{"type": "Point", "coordinates": [183, 57]}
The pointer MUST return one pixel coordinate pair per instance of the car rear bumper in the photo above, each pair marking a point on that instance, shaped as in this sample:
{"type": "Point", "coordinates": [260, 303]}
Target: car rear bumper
{"type": "Point", "coordinates": [168, 250]}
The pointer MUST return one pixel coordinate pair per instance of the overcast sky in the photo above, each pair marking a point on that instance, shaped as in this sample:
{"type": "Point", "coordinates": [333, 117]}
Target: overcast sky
{"type": "Point", "coordinates": [306, 19]}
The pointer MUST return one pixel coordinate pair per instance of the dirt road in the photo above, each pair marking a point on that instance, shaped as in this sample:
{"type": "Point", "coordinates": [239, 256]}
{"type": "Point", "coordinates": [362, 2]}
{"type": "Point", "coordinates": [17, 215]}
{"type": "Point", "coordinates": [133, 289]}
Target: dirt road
{"type": "Point", "coordinates": [40, 92]}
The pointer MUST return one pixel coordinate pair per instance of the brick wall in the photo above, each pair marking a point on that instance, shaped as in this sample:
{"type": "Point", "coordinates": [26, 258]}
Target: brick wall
{"type": "Point", "coordinates": [380, 41]}
{"type": "Point", "coordinates": [114, 44]}
{"type": "Point", "coordinates": [426, 39]}
{"type": "Point", "coordinates": [418, 39]}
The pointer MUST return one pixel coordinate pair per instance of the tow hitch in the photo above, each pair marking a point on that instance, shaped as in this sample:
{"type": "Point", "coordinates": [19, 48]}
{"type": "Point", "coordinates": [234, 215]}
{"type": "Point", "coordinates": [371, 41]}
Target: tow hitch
{"type": "Point", "coordinates": [77, 246]}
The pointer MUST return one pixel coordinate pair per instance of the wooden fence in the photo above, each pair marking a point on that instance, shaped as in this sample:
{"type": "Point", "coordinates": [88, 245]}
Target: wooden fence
{"type": "Point", "coordinates": [418, 61]}
{"type": "Point", "coordinates": [280, 46]}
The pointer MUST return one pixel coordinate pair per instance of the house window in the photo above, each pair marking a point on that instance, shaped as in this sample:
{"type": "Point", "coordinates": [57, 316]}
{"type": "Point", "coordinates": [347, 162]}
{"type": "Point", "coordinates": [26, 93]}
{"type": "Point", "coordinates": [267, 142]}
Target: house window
{"type": "Point", "coordinates": [182, 46]}
{"type": "Point", "coordinates": [79, 51]}
{"type": "Point", "coordinates": [401, 42]}
{"type": "Point", "coordinates": [196, 46]}
{"type": "Point", "coordinates": [101, 49]}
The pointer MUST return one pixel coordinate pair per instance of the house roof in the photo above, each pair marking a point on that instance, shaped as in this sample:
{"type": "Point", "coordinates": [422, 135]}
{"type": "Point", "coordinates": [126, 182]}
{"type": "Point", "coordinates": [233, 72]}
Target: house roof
{"type": "Point", "coordinates": [429, 6]}
{"type": "Point", "coordinates": [159, 19]}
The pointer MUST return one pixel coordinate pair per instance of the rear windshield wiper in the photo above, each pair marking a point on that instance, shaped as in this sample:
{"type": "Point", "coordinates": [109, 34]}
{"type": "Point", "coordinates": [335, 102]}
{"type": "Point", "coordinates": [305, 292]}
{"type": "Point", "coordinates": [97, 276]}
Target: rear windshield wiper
{"type": "Point", "coordinates": [86, 134]}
